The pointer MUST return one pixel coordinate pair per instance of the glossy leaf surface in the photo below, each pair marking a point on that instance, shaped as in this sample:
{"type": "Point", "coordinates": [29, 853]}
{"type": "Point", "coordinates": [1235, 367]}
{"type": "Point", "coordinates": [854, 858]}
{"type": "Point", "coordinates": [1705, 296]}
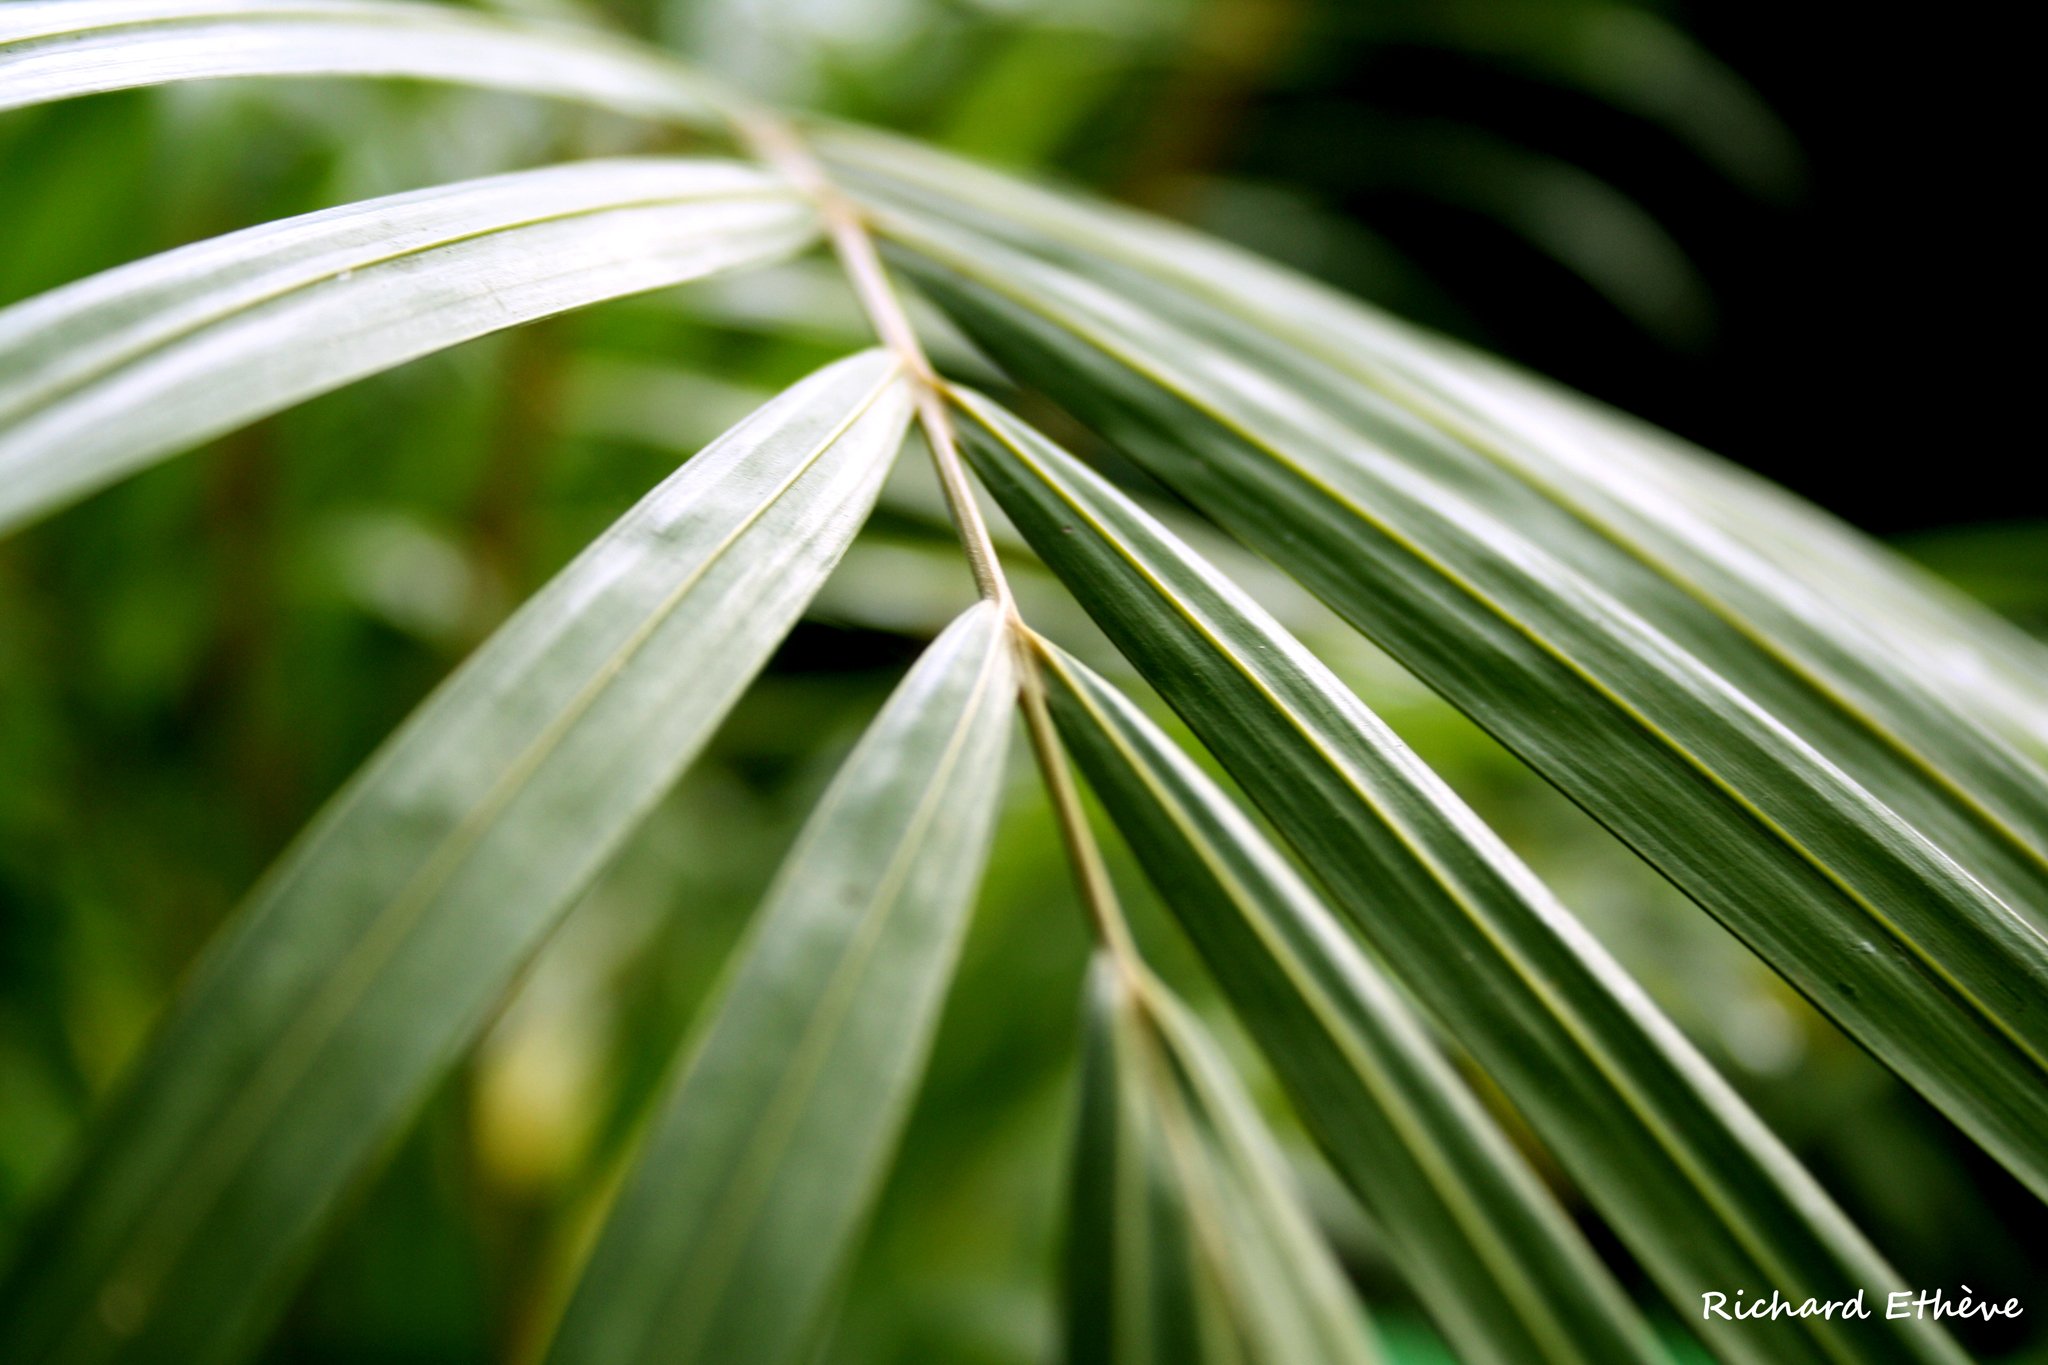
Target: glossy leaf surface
{"type": "Point", "coordinates": [1187, 1245]}
{"type": "Point", "coordinates": [1584, 676]}
{"type": "Point", "coordinates": [59, 49]}
{"type": "Point", "coordinates": [1468, 1224]}
{"type": "Point", "coordinates": [102, 377]}
{"type": "Point", "coordinates": [1679, 1165]}
{"type": "Point", "coordinates": [377, 947]}
{"type": "Point", "coordinates": [743, 1208]}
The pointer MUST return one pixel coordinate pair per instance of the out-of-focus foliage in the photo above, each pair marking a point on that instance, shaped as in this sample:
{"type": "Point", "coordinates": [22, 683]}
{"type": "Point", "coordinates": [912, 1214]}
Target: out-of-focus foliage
{"type": "Point", "coordinates": [192, 661]}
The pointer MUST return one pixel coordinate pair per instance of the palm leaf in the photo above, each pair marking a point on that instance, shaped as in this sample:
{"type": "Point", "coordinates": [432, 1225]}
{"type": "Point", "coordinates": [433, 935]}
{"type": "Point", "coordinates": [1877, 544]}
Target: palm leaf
{"type": "Point", "coordinates": [374, 951]}
{"type": "Point", "coordinates": [1498, 1264]}
{"type": "Point", "coordinates": [1841, 761]}
{"type": "Point", "coordinates": [1915, 630]}
{"type": "Point", "coordinates": [60, 49]}
{"type": "Point", "coordinates": [1682, 1169]}
{"type": "Point", "coordinates": [1669, 504]}
{"type": "Point", "coordinates": [1187, 1244]}
{"type": "Point", "coordinates": [101, 377]}
{"type": "Point", "coordinates": [742, 1211]}
{"type": "Point", "coordinates": [1595, 674]}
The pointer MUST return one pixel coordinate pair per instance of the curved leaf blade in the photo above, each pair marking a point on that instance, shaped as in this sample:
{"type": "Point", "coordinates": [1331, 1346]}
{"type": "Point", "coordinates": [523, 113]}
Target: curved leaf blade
{"type": "Point", "coordinates": [1860, 599]}
{"type": "Point", "coordinates": [375, 949]}
{"type": "Point", "coordinates": [1187, 1243]}
{"type": "Point", "coordinates": [1565, 446]}
{"type": "Point", "coordinates": [1468, 1224]}
{"type": "Point", "coordinates": [101, 377]}
{"type": "Point", "coordinates": [745, 1203]}
{"type": "Point", "coordinates": [1683, 1170]}
{"type": "Point", "coordinates": [61, 49]}
{"type": "Point", "coordinates": [1621, 518]}
{"type": "Point", "coordinates": [1915, 957]}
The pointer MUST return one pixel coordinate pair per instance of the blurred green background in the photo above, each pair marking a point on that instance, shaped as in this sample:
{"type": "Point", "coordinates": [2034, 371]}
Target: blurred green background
{"type": "Point", "coordinates": [1776, 236]}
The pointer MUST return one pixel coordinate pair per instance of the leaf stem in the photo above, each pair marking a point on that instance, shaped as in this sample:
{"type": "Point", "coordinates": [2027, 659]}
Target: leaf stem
{"type": "Point", "coordinates": [777, 143]}
{"type": "Point", "coordinates": [1091, 874]}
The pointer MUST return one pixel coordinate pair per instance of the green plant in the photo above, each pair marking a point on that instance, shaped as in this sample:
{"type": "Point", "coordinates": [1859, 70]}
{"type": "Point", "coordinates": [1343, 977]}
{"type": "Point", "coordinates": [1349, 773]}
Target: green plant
{"type": "Point", "coordinates": [1836, 758]}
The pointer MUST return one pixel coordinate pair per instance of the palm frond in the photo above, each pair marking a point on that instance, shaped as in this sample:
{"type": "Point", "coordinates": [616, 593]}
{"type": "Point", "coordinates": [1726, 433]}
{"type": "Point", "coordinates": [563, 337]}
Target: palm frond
{"type": "Point", "coordinates": [1837, 758]}
{"type": "Point", "coordinates": [371, 955]}
{"type": "Point", "coordinates": [1677, 1162]}
{"type": "Point", "coordinates": [61, 49]}
{"type": "Point", "coordinates": [1503, 1271]}
{"type": "Point", "coordinates": [1186, 1243]}
{"type": "Point", "coordinates": [1668, 723]}
{"type": "Point", "coordinates": [99, 378]}
{"type": "Point", "coordinates": [740, 1215]}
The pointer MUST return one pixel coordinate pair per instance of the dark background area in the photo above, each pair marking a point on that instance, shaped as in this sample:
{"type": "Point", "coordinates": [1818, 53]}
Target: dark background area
{"type": "Point", "coordinates": [1865, 314]}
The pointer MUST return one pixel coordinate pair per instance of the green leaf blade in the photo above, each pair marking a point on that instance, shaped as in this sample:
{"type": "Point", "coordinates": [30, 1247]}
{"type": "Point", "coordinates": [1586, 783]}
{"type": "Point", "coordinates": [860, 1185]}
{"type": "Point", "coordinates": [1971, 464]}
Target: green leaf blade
{"type": "Point", "coordinates": [1188, 1243]}
{"type": "Point", "coordinates": [375, 949]}
{"type": "Point", "coordinates": [1499, 1266]}
{"type": "Point", "coordinates": [1864, 610]}
{"type": "Point", "coordinates": [1865, 621]}
{"type": "Point", "coordinates": [1875, 922]}
{"type": "Point", "coordinates": [743, 1207]}
{"type": "Point", "coordinates": [102, 377]}
{"type": "Point", "coordinates": [63, 49]}
{"type": "Point", "coordinates": [1681, 1168]}
{"type": "Point", "coordinates": [1626, 523]}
